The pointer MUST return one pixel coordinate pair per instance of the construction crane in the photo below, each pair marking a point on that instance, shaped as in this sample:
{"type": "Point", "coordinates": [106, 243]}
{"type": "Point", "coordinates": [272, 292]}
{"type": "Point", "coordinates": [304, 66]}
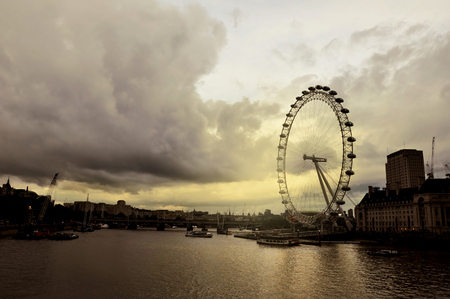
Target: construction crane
{"type": "Point", "coordinates": [430, 174]}
{"type": "Point", "coordinates": [48, 196]}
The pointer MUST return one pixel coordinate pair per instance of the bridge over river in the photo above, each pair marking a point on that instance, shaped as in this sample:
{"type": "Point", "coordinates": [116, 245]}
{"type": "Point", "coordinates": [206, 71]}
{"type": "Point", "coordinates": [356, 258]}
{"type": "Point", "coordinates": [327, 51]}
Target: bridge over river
{"type": "Point", "coordinates": [179, 223]}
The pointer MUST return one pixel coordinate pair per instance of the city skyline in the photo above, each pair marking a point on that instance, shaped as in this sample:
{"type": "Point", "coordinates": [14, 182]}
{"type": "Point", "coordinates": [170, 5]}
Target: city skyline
{"type": "Point", "coordinates": [171, 105]}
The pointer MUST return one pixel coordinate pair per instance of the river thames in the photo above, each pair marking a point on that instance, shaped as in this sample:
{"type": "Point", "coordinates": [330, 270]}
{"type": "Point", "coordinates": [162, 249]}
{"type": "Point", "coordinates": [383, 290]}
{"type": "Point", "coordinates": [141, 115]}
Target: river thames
{"type": "Point", "coordinates": [165, 264]}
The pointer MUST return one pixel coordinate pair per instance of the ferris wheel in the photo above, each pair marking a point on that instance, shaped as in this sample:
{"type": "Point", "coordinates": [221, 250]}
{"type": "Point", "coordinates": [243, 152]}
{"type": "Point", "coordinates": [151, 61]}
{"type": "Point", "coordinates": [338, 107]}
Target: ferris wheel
{"type": "Point", "coordinates": [315, 156]}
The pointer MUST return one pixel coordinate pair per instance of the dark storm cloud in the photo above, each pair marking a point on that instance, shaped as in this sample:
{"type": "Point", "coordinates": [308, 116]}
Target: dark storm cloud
{"type": "Point", "coordinates": [398, 96]}
{"type": "Point", "coordinates": [105, 94]}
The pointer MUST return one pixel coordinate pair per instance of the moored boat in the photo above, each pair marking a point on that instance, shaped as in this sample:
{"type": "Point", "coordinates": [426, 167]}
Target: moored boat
{"type": "Point", "coordinates": [198, 234]}
{"type": "Point", "coordinates": [31, 235]}
{"type": "Point", "coordinates": [84, 229]}
{"type": "Point", "coordinates": [63, 236]}
{"type": "Point", "coordinates": [247, 235]}
{"type": "Point", "coordinates": [277, 240]}
{"type": "Point", "coordinates": [223, 231]}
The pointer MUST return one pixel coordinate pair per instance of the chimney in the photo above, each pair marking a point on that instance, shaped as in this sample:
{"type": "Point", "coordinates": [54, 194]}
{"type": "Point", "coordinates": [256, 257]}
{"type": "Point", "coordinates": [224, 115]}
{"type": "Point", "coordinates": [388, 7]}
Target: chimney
{"type": "Point", "coordinates": [370, 191]}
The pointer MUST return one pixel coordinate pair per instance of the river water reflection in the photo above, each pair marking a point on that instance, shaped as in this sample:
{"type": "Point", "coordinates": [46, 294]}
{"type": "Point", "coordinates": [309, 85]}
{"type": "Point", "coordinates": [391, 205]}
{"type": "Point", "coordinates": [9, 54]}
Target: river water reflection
{"type": "Point", "coordinates": [152, 264]}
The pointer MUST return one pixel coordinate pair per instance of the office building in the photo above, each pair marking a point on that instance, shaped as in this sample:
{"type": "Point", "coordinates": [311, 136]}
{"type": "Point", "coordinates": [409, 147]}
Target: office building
{"type": "Point", "coordinates": [405, 169]}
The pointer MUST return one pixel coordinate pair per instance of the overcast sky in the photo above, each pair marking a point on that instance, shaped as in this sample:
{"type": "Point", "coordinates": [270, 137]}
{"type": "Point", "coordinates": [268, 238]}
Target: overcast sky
{"type": "Point", "coordinates": [179, 104]}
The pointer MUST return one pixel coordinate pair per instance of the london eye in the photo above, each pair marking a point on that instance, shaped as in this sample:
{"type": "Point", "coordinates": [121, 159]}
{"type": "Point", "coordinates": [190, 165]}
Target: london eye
{"type": "Point", "coordinates": [315, 156]}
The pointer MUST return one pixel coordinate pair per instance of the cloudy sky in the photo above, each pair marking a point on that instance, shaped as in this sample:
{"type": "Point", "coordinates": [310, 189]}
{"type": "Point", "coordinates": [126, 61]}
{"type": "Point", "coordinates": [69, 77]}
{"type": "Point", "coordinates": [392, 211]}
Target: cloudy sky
{"type": "Point", "coordinates": [179, 104]}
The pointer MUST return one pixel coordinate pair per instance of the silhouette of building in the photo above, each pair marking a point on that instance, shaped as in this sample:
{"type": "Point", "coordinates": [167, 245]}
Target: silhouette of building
{"type": "Point", "coordinates": [405, 169]}
{"type": "Point", "coordinates": [408, 203]}
{"type": "Point", "coordinates": [409, 209]}
{"type": "Point", "coordinates": [101, 208]}
{"type": "Point", "coordinates": [8, 190]}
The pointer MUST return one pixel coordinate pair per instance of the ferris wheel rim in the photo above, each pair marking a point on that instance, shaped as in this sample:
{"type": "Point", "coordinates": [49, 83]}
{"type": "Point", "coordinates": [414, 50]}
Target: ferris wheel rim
{"type": "Point", "coordinates": [328, 96]}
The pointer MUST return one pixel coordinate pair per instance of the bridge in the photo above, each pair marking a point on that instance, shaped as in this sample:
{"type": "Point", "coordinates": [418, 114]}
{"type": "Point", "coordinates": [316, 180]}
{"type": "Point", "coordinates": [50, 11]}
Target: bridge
{"type": "Point", "coordinates": [179, 223]}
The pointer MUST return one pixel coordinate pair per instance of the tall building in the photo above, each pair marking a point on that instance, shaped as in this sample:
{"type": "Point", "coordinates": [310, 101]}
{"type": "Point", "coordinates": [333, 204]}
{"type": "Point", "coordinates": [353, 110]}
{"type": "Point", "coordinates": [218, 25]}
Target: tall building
{"type": "Point", "coordinates": [405, 169]}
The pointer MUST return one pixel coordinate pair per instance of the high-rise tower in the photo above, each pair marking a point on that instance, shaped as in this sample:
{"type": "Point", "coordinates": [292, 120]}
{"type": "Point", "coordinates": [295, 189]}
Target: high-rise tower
{"type": "Point", "coordinates": [405, 169]}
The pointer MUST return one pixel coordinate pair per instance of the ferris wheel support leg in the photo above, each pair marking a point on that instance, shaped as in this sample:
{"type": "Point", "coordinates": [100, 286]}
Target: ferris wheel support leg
{"type": "Point", "coordinates": [326, 182]}
{"type": "Point", "coordinates": [321, 183]}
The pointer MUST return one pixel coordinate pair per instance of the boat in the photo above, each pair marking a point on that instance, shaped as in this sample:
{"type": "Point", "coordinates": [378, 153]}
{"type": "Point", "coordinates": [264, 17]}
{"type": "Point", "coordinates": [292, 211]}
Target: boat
{"type": "Point", "coordinates": [343, 242]}
{"type": "Point", "coordinates": [223, 231]}
{"type": "Point", "coordinates": [174, 227]}
{"type": "Point", "coordinates": [63, 236]}
{"type": "Point", "coordinates": [247, 235]}
{"type": "Point", "coordinates": [31, 235]}
{"type": "Point", "coordinates": [278, 240]}
{"type": "Point", "coordinates": [96, 226]}
{"type": "Point", "coordinates": [384, 252]}
{"type": "Point", "coordinates": [221, 227]}
{"type": "Point", "coordinates": [198, 234]}
{"type": "Point", "coordinates": [84, 229]}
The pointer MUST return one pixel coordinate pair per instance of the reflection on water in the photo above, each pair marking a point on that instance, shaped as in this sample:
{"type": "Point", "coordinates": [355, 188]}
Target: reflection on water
{"type": "Point", "coordinates": [151, 264]}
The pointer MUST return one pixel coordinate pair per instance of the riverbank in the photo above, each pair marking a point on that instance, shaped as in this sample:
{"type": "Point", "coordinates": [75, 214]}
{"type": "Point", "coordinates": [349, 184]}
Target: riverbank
{"type": "Point", "coordinates": [8, 231]}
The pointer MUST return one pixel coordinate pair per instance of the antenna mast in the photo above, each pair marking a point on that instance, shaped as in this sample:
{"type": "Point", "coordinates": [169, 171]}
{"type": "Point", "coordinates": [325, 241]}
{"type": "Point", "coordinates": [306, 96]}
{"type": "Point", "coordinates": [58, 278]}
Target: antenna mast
{"type": "Point", "coordinates": [431, 173]}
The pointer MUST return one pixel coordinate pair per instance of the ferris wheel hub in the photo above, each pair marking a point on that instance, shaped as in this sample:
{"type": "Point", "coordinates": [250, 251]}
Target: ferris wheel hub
{"type": "Point", "coordinates": [314, 158]}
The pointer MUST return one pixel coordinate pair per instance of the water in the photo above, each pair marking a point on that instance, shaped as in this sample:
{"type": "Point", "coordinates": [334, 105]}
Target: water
{"type": "Point", "coordinates": [153, 264]}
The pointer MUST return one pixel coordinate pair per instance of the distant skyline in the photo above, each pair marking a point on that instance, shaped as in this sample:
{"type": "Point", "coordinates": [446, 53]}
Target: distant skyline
{"type": "Point", "coordinates": [179, 104]}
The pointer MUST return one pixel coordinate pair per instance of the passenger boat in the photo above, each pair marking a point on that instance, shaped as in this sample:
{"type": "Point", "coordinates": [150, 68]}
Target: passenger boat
{"type": "Point", "coordinates": [84, 229]}
{"type": "Point", "coordinates": [63, 236]}
{"type": "Point", "coordinates": [384, 252]}
{"type": "Point", "coordinates": [277, 240]}
{"type": "Point", "coordinates": [198, 234]}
